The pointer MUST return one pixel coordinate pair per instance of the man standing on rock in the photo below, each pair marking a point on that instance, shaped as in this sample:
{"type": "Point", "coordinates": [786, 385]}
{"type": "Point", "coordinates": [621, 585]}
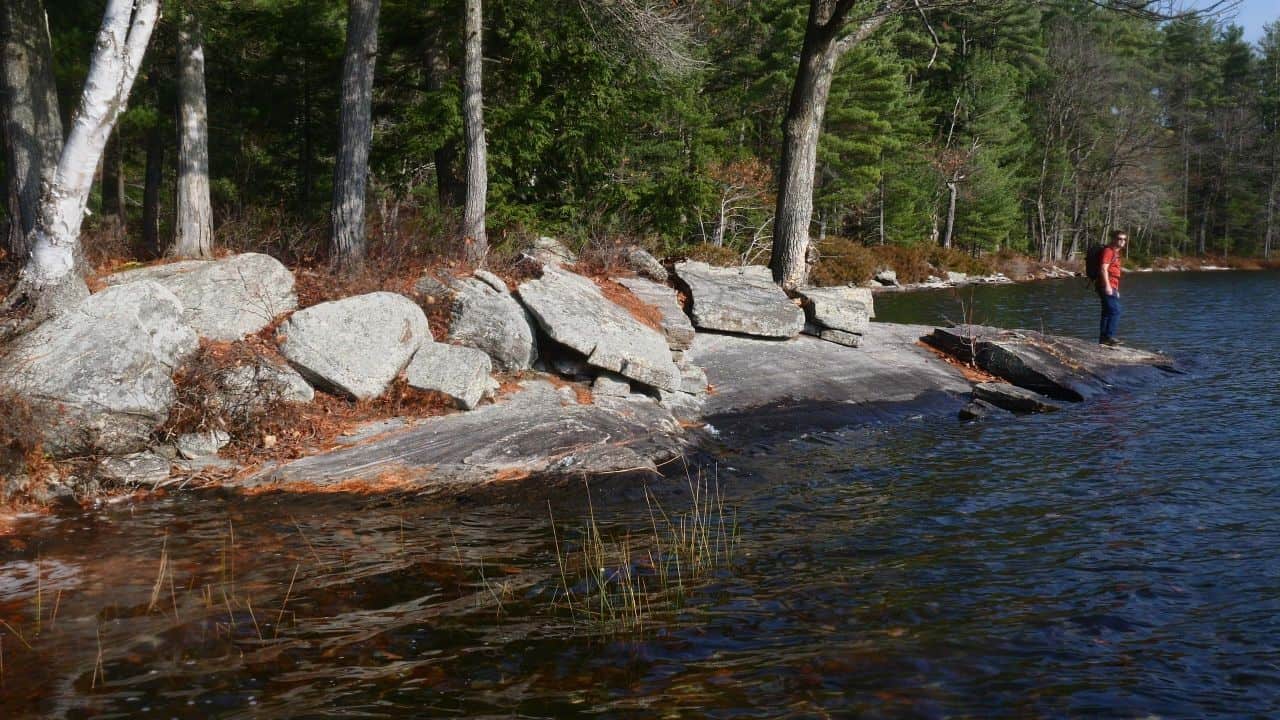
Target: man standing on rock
{"type": "Point", "coordinates": [1109, 287]}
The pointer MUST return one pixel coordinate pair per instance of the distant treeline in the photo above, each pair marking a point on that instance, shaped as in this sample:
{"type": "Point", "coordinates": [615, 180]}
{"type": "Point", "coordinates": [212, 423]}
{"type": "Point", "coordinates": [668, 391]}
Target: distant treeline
{"type": "Point", "coordinates": [1000, 125]}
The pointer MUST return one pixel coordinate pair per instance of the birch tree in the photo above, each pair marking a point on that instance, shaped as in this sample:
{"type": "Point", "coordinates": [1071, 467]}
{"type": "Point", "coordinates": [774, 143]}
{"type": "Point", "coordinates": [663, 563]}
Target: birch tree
{"type": "Point", "coordinates": [473, 226]}
{"type": "Point", "coordinates": [50, 281]}
{"type": "Point", "coordinates": [350, 174]}
{"type": "Point", "coordinates": [193, 236]}
{"type": "Point", "coordinates": [32, 124]}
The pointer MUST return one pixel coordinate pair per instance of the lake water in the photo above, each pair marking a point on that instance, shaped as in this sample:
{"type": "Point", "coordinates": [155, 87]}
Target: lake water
{"type": "Point", "coordinates": [1120, 559]}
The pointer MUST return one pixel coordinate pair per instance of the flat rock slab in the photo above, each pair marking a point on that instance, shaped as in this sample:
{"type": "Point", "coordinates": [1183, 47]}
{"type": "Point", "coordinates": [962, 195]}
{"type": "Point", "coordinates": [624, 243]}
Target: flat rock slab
{"type": "Point", "coordinates": [573, 311]}
{"type": "Point", "coordinates": [1014, 399]}
{"type": "Point", "coordinates": [485, 316]}
{"type": "Point", "coordinates": [355, 346]}
{"type": "Point", "coordinates": [849, 309]}
{"type": "Point", "coordinates": [1059, 367]}
{"type": "Point", "coordinates": [99, 376]}
{"type": "Point", "coordinates": [223, 299]}
{"type": "Point", "coordinates": [675, 324]}
{"type": "Point", "coordinates": [741, 300]}
{"type": "Point", "coordinates": [747, 373]}
{"type": "Point", "coordinates": [979, 410]}
{"type": "Point", "coordinates": [142, 468]}
{"type": "Point", "coordinates": [461, 373]}
{"type": "Point", "coordinates": [530, 433]}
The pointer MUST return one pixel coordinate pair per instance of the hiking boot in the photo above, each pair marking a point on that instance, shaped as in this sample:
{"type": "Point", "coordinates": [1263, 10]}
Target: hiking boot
{"type": "Point", "coordinates": [1111, 342]}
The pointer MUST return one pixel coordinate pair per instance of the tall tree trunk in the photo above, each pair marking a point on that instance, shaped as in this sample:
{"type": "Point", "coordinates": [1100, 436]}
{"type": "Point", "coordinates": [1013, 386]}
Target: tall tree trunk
{"type": "Point", "coordinates": [32, 123]}
{"type": "Point", "coordinates": [953, 190]}
{"type": "Point", "coordinates": [151, 243]}
{"type": "Point", "coordinates": [193, 223]}
{"type": "Point", "coordinates": [802, 127]}
{"type": "Point", "coordinates": [473, 212]}
{"type": "Point", "coordinates": [347, 241]}
{"type": "Point", "coordinates": [450, 192]}
{"type": "Point", "coordinates": [113, 200]}
{"type": "Point", "coordinates": [49, 280]}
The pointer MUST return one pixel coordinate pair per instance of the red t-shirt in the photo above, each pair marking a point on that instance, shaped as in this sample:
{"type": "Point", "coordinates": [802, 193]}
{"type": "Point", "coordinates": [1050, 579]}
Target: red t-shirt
{"type": "Point", "coordinates": [1109, 255]}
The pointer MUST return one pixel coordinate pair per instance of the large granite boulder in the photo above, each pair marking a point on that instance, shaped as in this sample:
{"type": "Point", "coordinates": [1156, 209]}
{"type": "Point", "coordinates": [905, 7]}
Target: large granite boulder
{"type": "Point", "coordinates": [742, 300]}
{"type": "Point", "coordinates": [840, 308]}
{"type": "Point", "coordinates": [99, 377]}
{"type": "Point", "coordinates": [574, 313]}
{"type": "Point", "coordinates": [223, 299]}
{"type": "Point", "coordinates": [550, 251]}
{"type": "Point", "coordinates": [355, 346]}
{"type": "Point", "coordinates": [675, 324]}
{"type": "Point", "coordinates": [1059, 367]}
{"type": "Point", "coordinates": [461, 373]}
{"type": "Point", "coordinates": [486, 317]}
{"type": "Point", "coordinates": [644, 263]}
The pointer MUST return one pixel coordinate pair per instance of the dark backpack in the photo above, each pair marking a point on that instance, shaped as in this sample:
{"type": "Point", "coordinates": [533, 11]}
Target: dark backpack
{"type": "Point", "coordinates": [1093, 262]}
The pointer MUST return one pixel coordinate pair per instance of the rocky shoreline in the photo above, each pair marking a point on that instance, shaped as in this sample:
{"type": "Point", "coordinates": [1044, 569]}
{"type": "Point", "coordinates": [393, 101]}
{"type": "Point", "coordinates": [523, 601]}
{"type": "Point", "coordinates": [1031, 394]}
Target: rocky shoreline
{"type": "Point", "coordinates": [603, 374]}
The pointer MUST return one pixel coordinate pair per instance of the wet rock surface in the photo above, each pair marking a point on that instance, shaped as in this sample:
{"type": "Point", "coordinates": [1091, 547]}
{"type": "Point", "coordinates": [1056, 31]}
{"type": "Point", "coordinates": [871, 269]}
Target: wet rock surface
{"type": "Point", "coordinates": [223, 299]}
{"type": "Point", "coordinates": [99, 377]}
{"type": "Point", "coordinates": [535, 431]}
{"type": "Point", "coordinates": [1013, 398]}
{"type": "Point", "coordinates": [739, 300]}
{"type": "Point", "coordinates": [355, 346]}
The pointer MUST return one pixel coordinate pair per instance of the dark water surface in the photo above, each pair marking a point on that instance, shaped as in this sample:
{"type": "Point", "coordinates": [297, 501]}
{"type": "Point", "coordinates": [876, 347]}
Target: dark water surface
{"type": "Point", "coordinates": [1116, 560]}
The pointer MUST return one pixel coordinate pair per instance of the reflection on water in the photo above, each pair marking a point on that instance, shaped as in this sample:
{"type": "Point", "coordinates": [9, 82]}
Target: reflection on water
{"type": "Point", "coordinates": [1116, 560]}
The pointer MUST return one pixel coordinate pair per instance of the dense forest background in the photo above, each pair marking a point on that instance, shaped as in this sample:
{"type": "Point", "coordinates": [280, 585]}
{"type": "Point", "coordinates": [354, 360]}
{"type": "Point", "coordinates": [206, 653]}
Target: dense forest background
{"type": "Point", "coordinates": [1000, 126]}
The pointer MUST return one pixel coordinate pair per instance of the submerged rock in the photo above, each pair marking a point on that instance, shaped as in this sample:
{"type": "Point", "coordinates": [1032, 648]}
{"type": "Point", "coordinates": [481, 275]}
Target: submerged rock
{"type": "Point", "coordinates": [675, 324]}
{"type": "Point", "coordinates": [99, 376]}
{"type": "Point", "coordinates": [223, 299]}
{"type": "Point", "coordinates": [573, 311]}
{"type": "Point", "coordinates": [741, 300]}
{"type": "Point", "coordinates": [979, 410]}
{"type": "Point", "coordinates": [1014, 398]}
{"type": "Point", "coordinates": [355, 346]}
{"type": "Point", "coordinates": [461, 373]}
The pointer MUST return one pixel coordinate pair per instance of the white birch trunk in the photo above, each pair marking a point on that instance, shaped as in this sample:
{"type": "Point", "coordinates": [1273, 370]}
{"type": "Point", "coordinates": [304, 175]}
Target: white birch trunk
{"type": "Point", "coordinates": [473, 214]}
{"type": "Point", "coordinates": [49, 277]}
{"type": "Point", "coordinates": [194, 223]}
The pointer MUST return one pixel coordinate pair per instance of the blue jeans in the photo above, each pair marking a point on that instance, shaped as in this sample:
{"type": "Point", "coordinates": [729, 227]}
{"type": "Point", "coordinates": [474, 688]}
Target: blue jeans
{"type": "Point", "coordinates": [1110, 314]}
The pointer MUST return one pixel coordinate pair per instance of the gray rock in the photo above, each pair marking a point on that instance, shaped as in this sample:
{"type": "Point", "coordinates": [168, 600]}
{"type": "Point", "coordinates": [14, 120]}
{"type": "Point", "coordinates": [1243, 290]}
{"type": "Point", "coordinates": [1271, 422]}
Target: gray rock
{"type": "Point", "coordinates": [643, 263]}
{"type": "Point", "coordinates": [573, 311]}
{"type": "Point", "coordinates": [840, 308]}
{"type": "Point", "coordinates": [492, 281]}
{"type": "Point", "coordinates": [223, 299]}
{"type": "Point", "coordinates": [550, 251]}
{"type": "Point", "coordinates": [739, 300]}
{"type": "Point", "coordinates": [838, 337]}
{"type": "Point", "coordinates": [247, 389]}
{"type": "Point", "coordinates": [99, 376]}
{"type": "Point", "coordinates": [1014, 398]}
{"type": "Point", "coordinates": [693, 379]}
{"type": "Point", "coordinates": [682, 405]}
{"type": "Point", "coordinates": [574, 368]}
{"type": "Point", "coordinates": [887, 277]}
{"type": "Point", "coordinates": [675, 324]}
{"type": "Point", "coordinates": [355, 346]}
{"type": "Point", "coordinates": [979, 410]}
{"type": "Point", "coordinates": [957, 278]}
{"type": "Point", "coordinates": [462, 373]}
{"type": "Point", "coordinates": [489, 319]}
{"type": "Point", "coordinates": [142, 468]}
{"type": "Point", "coordinates": [201, 444]}
{"type": "Point", "coordinates": [533, 432]}
{"type": "Point", "coordinates": [1062, 368]}
{"type": "Point", "coordinates": [611, 385]}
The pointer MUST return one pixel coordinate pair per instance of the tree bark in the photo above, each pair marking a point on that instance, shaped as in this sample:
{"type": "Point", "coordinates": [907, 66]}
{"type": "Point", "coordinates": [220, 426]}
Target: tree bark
{"type": "Point", "coordinates": [32, 122]}
{"type": "Point", "coordinates": [151, 244]}
{"type": "Point", "coordinates": [113, 200]}
{"type": "Point", "coordinates": [193, 224]}
{"type": "Point", "coordinates": [802, 127]}
{"type": "Point", "coordinates": [948, 237]}
{"type": "Point", "coordinates": [473, 214]}
{"type": "Point", "coordinates": [49, 281]}
{"type": "Point", "coordinates": [347, 241]}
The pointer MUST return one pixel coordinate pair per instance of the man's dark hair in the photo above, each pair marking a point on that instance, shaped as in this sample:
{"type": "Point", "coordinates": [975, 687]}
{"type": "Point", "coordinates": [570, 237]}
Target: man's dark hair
{"type": "Point", "coordinates": [1117, 234]}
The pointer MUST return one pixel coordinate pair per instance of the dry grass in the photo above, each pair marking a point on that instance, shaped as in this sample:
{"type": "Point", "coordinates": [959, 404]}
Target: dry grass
{"type": "Point", "coordinates": [970, 372]}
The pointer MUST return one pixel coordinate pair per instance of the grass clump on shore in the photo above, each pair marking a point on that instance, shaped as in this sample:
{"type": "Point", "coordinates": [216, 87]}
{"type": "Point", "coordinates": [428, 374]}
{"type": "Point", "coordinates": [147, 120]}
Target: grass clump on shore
{"type": "Point", "coordinates": [616, 583]}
